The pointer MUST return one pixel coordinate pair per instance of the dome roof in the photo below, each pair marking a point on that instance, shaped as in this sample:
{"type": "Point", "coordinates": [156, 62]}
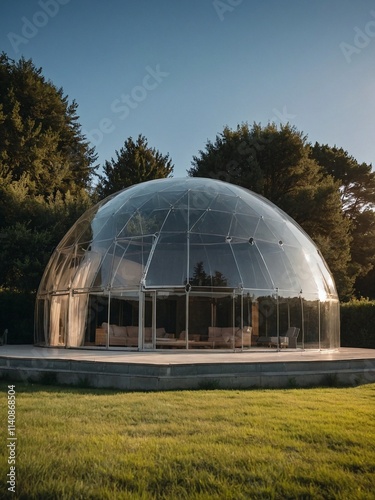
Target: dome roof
{"type": "Point", "coordinates": [171, 232]}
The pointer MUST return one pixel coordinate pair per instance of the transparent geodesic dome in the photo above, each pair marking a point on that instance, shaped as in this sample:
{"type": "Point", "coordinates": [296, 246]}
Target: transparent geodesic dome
{"type": "Point", "coordinates": [186, 263]}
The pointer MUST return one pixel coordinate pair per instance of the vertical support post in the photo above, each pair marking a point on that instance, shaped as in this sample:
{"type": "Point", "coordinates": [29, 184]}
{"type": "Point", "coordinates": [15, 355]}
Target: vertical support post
{"type": "Point", "coordinates": [108, 319]}
{"type": "Point", "coordinates": [277, 319]}
{"type": "Point", "coordinates": [303, 323]}
{"type": "Point", "coordinates": [141, 302]}
{"type": "Point", "coordinates": [242, 325]}
{"type": "Point", "coordinates": [153, 329]}
{"type": "Point", "coordinates": [67, 339]}
{"type": "Point", "coordinates": [188, 286]}
{"type": "Point", "coordinates": [319, 324]}
{"type": "Point", "coordinates": [187, 317]}
{"type": "Point", "coordinates": [233, 320]}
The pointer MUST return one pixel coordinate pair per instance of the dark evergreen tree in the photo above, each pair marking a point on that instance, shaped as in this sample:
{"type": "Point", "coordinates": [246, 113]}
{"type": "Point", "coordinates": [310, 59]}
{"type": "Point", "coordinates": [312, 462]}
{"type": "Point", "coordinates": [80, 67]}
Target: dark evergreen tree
{"type": "Point", "coordinates": [135, 162]}
{"type": "Point", "coordinates": [275, 162]}
{"type": "Point", "coordinates": [40, 138]}
{"type": "Point", "coordinates": [357, 189]}
{"type": "Point", "coordinates": [46, 168]}
{"type": "Point", "coordinates": [200, 277]}
{"type": "Point", "coordinates": [30, 228]}
{"type": "Point", "coordinates": [357, 180]}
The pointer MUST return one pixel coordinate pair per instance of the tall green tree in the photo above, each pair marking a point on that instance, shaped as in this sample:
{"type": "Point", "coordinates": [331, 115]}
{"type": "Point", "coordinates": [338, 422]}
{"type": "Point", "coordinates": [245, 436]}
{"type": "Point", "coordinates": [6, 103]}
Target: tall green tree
{"type": "Point", "coordinates": [46, 167]}
{"type": "Point", "coordinates": [30, 228]}
{"type": "Point", "coordinates": [135, 162]}
{"type": "Point", "coordinates": [40, 137]}
{"type": "Point", "coordinates": [357, 190]}
{"type": "Point", "coordinates": [275, 162]}
{"type": "Point", "coordinates": [357, 180]}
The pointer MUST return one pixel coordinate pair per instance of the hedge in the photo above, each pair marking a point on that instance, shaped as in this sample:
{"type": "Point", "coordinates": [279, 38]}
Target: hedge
{"type": "Point", "coordinates": [17, 315]}
{"type": "Point", "coordinates": [358, 324]}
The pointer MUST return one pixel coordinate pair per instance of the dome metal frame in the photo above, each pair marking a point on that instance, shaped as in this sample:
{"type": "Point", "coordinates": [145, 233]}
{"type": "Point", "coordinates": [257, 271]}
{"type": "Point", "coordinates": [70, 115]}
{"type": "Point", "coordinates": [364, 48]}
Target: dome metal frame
{"type": "Point", "coordinates": [180, 259]}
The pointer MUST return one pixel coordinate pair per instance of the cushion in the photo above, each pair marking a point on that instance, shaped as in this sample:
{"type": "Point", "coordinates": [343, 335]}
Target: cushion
{"type": "Point", "coordinates": [160, 332]}
{"type": "Point", "coordinates": [132, 331]}
{"type": "Point", "coordinates": [194, 336]}
{"type": "Point", "coordinates": [119, 331]}
{"type": "Point", "coordinates": [105, 326]}
{"type": "Point", "coordinates": [246, 332]}
{"type": "Point", "coordinates": [214, 331]}
{"type": "Point", "coordinates": [227, 331]}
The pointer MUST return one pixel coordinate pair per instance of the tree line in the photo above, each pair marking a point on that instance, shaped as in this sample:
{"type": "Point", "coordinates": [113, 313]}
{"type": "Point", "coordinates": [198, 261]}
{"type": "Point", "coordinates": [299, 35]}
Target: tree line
{"type": "Point", "coordinates": [49, 177]}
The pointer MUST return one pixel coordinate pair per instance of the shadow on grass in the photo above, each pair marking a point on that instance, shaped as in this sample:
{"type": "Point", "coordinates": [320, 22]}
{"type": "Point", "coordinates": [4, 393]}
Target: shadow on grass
{"type": "Point", "coordinates": [48, 382]}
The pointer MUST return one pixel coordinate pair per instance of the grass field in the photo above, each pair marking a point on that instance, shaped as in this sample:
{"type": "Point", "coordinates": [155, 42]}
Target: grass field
{"type": "Point", "coordinates": [259, 444]}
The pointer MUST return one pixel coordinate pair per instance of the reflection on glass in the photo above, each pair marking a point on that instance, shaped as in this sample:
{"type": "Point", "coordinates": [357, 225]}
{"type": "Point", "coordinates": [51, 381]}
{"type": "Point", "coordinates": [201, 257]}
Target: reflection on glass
{"type": "Point", "coordinates": [201, 278]}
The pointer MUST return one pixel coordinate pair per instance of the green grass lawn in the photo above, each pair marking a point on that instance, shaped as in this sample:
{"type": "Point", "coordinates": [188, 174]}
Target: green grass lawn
{"type": "Point", "coordinates": [259, 444]}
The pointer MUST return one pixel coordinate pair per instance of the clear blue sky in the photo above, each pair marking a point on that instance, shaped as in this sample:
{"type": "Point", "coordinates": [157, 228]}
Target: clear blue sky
{"type": "Point", "coordinates": [178, 71]}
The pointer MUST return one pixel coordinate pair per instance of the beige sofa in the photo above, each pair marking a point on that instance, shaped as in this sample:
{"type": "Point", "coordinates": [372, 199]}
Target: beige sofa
{"type": "Point", "coordinates": [217, 338]}
{"type": "Point", "coordinates": [125, 336]}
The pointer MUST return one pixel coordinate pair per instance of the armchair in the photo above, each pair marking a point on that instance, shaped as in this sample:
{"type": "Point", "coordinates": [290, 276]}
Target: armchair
{"type": "Point", "coordinates": [289, 339]}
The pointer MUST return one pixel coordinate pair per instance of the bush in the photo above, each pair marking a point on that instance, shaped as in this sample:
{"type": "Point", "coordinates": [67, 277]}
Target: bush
{"type": "Point", "coordinates": [357, 324]}
{"type": "Point", "coordinates": [17, 315]}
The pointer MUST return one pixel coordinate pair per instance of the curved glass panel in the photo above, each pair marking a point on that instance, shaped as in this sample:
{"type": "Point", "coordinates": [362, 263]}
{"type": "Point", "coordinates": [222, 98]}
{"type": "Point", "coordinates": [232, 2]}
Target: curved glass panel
{"type": "Point", "coordinates": [167, 265]}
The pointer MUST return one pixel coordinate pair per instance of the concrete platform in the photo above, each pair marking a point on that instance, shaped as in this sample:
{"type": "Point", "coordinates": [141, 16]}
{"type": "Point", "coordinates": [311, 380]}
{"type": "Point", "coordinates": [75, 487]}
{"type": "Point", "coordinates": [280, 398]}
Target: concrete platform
{"type": "Point", "coordinates": [145, 371]}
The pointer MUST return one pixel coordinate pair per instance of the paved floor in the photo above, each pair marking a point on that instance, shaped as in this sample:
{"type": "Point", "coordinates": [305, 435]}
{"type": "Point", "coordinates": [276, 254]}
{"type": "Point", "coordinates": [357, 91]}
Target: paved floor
{"type": "Point", "coordinates": [167, 370]}
{"type": "Point", "coordinates": [255, 355]}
